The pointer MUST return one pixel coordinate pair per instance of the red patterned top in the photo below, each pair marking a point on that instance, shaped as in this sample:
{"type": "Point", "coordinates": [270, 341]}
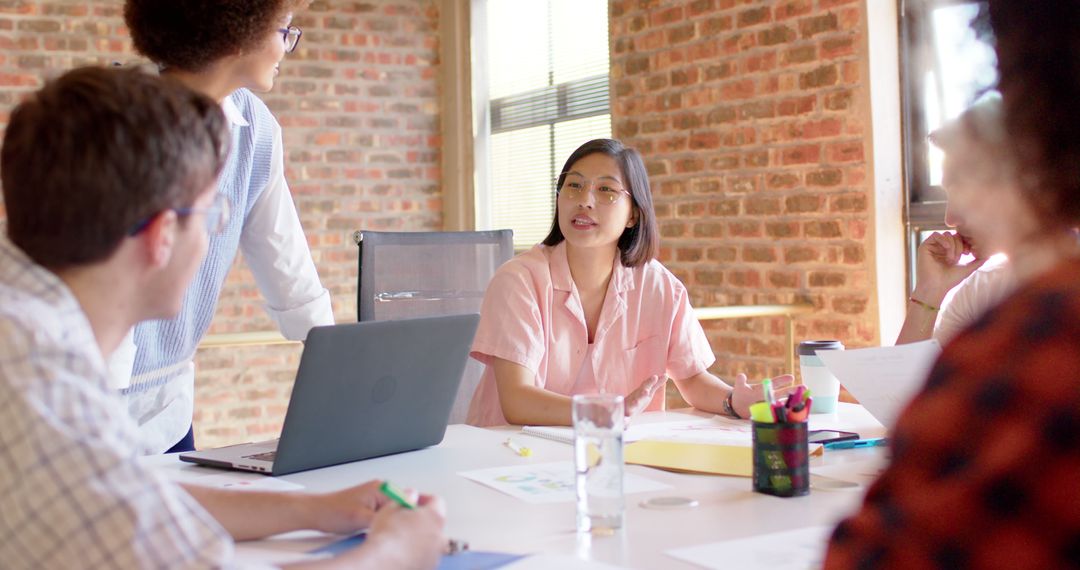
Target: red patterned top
{"type": "Point", "coordinates": [985, 469]}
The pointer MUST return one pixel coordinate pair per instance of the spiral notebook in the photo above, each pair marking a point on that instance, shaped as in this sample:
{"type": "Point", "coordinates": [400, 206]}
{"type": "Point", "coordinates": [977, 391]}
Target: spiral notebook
{"type": "Point", "coordinates": [556, 433]}
{"type": "Point", "coordinates": [566, 434]}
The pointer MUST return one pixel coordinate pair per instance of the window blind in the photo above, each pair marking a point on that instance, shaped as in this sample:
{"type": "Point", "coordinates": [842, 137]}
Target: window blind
{"type": "Point", "coordinates": [548, 90]}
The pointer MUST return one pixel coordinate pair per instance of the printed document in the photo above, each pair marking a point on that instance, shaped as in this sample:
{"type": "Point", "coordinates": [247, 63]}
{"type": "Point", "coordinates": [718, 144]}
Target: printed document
{"type": "Point", "coordinates": [883, 379]}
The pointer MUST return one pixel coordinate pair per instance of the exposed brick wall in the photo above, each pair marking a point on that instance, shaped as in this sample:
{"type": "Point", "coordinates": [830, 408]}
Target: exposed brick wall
{"type": "Point", "coordinates": [358, 105]}
{"type": "Point", "coordinates": [753, 119]}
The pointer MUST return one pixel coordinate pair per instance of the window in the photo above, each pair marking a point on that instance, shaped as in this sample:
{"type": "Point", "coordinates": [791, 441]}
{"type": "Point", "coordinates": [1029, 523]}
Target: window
{"type": "Point", "coordinates": [544, 82]}
{"type": "Point", "coordinates": [946, 65]}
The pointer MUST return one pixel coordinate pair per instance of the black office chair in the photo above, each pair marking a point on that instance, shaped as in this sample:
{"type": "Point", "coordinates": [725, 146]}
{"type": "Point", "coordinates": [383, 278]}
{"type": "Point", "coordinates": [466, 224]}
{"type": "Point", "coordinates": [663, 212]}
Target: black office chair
{"type": "Point", "coordinates": [421, 274]}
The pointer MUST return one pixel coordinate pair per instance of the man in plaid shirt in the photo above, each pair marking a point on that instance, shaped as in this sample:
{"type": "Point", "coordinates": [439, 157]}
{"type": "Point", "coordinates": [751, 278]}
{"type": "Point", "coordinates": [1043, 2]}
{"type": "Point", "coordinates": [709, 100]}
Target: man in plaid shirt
{"type": "Point", "coordinates": [108, 181]}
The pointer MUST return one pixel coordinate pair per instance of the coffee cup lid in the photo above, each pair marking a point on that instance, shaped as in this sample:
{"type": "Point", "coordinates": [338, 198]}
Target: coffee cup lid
{"type": "Point", "coordinates": [810, 347]}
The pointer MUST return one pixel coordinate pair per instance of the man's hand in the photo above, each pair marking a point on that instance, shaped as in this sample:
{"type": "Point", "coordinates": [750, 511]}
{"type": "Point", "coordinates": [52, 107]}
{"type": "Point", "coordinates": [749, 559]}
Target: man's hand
{"type": "Point", "coordinates": [348, 510]}
{"type": "Point", "coordinates": [409, 538]}
{"type": "Point", "coordinates": [938, 268]}
{"type": "Point", "coordinates": [396, 538]}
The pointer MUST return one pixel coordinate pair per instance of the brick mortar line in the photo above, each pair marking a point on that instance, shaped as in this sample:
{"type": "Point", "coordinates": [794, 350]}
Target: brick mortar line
{"type": "Point", "coordinates": [737, 102]}
{"type": "Point", "coordinates": [704, 62]}
{"type": "Point", "coordinates": [725, 35]}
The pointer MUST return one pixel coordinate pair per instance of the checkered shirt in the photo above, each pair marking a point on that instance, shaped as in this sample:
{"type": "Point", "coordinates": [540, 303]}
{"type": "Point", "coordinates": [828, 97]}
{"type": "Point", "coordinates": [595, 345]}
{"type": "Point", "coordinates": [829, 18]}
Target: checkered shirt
{"type": "Point", "coordinates": [72, 493]}
{"type": "Point", "coordinates": [985, 471]}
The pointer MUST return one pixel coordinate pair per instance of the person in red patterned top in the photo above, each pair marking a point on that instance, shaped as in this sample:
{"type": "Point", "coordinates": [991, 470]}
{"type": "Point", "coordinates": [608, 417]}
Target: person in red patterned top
{"type": "Point", "coordinates": [986, 459]}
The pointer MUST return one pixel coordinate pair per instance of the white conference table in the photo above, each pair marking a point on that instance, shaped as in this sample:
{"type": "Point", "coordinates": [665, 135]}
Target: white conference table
{"type": "Point", "coordinates": [492, 521]}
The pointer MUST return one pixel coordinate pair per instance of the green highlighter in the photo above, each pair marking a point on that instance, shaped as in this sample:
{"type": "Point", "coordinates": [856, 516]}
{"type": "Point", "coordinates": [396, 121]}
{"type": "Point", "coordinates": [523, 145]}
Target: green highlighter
{"type": "Point", "coordinates": [761, 412]}
{"type": "Point", "coordinates": [396, 495]}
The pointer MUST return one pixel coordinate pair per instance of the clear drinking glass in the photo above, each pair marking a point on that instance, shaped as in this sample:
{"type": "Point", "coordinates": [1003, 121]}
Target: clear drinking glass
{"type": "Point", "coordinates": [598, 460]}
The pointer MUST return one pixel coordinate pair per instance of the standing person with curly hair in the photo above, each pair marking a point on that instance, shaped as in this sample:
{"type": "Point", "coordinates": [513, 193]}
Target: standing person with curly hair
{"type": "Point", "coordinates": [224, 49]}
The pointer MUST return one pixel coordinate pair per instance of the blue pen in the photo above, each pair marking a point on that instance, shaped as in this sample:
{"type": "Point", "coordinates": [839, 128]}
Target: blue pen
{"type": "Point", "coordinates": [856, 443]}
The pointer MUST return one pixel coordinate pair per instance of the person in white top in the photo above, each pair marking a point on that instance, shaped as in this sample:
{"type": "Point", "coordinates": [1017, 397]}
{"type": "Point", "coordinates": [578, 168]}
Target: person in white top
{"type": "Point", "coordinates": [975, 155]}
{"type": "Point", "coordinates": [111, 238]}
{"type": "Point", "coordinates": [224, 50]}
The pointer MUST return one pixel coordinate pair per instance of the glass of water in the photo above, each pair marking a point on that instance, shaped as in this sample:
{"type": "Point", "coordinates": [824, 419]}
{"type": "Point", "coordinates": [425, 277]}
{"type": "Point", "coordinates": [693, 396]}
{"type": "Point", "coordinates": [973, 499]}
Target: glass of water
{"type": "Point", "coordinates": [598, 461]}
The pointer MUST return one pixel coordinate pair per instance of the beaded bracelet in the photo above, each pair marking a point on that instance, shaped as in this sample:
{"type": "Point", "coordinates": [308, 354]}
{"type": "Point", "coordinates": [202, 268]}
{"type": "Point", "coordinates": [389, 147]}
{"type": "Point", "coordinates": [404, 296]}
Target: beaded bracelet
{"type": "Point", "coordinates": [926, 306]}
{"type": "Point", "coordinates": [729, 408]}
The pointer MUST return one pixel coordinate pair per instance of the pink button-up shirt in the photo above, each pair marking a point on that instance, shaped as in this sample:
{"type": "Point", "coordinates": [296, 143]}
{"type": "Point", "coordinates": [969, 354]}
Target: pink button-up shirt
{"type": "Point", "coordinates": [532, 316]}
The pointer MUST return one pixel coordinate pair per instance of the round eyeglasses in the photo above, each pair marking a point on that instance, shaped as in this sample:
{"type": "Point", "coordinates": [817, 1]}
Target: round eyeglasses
{"type": "Point", "coordinates": [217, 216]}
{"type": "Point", "coordinates": [291, 36]}
{"type": "Point", "coordinates": [608, 191]}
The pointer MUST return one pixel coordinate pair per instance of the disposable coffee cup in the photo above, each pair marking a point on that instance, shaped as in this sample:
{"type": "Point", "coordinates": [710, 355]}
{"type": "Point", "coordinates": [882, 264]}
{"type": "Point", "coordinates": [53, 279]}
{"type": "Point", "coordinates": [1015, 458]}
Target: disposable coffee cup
{"type": "Point", "coordinates": [824, 386]}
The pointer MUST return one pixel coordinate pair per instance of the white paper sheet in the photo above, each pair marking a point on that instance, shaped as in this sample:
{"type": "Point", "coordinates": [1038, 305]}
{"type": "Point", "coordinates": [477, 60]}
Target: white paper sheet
{"type": "Point", "coordinates": [718, 430]}
{"type": "Point", "coordinates": [245, 482]}
{"type": "Point", "coordinates": [883, 379]}
{"type": "Point", "coordinates": [861, 472]}
{"type": "Point", "coordinates": [790, 550]}
{"type": "Point", "coordinates": [548, 482]}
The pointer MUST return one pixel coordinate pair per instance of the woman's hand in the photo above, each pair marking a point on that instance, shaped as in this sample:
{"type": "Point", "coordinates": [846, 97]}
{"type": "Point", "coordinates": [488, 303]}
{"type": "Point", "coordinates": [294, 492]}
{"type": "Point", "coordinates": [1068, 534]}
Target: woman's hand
{"type": "Point", "coordinates": [938, 268]}
{"type": "Point", "coordinates": [636, 402]}
{"type": "Point", "coordinates": [745, 394]}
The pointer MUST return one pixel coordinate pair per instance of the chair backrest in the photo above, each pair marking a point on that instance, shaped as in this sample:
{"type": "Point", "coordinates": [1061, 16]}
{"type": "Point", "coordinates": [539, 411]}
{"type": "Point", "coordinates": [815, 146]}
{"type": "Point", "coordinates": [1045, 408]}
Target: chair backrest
{"type": "Point", "coordinates": [421, 274]}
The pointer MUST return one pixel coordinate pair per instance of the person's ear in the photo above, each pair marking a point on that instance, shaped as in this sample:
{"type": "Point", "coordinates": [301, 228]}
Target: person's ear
{"type": "Point", "coordinates": [633, 218]}
{"type": "Point", "coordinates": [160, 238]}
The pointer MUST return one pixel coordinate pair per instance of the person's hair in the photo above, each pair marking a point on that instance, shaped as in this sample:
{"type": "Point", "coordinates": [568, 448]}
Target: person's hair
{"type": "Point", "coordinates": [98, 150]}
{"type": "Point", "coordinates": [982, 123]}
{"type": "Point", "coordinates": [979, 135]}
{"type": "Point", "coordinates": [192, 34]}
{"type": "Point", "coordinates": [638, 244]}
{"type": "Point", "coordinates": [1038, 52]}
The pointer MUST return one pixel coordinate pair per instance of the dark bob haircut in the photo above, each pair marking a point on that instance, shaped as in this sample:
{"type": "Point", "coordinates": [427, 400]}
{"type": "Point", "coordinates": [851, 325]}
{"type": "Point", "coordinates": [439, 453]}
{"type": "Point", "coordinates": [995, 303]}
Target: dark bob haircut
{"type": "Point", "coordinates": [192, 34]}
{"type": "Point", "coordinates": [156, 145]}
{"type": "Point", "coordinates": [1038, 52]}
{"type": "Point", "coordinates": [639, 244]}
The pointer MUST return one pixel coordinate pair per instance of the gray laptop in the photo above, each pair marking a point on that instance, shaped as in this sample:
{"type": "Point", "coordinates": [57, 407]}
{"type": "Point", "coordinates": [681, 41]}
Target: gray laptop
{"type": "Point", "coordinates": [362, 390]}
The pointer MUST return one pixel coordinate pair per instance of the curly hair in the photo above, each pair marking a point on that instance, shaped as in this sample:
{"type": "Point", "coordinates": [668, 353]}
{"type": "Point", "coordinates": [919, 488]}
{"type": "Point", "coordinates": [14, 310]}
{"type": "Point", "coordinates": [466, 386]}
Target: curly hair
{"type": "Point", "coordinates": [192, 34]}
{"type": "Point", "coordinates": [1038, 53]}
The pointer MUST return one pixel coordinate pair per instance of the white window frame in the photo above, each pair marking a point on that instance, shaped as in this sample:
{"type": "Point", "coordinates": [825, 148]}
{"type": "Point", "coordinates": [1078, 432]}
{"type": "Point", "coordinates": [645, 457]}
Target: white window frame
{"type": "Point", "coordinates": [888, 198]}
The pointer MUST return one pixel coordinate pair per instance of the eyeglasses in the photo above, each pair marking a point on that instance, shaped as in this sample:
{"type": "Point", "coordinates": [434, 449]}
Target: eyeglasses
{"type": "Point", "coordinates": [217, 216]}
{"type": "Point", "coordinates": [291, 36]}
{"type": "Point", "coordinates": [574, 186]}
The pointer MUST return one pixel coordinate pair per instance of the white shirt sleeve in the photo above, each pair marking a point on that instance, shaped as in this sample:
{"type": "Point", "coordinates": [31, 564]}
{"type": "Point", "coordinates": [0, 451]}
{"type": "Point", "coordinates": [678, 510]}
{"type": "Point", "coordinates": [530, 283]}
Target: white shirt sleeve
{"type": "Point", "coordinates": [121, 362]}
{"type": "Point", "coordinates": [977, 294]}
{"type": "Point", "coordinates": [274, 246]}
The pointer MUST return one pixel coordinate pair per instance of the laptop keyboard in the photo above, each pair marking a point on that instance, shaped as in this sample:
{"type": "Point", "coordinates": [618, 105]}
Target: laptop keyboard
{"type": "Point", "coordinates": [267, 456]}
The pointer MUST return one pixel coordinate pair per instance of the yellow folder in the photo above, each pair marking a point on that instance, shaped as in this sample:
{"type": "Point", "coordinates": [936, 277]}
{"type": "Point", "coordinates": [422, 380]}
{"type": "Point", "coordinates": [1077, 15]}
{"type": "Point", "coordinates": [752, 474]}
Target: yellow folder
{"type": "Point", "coordinates": [695, 457]}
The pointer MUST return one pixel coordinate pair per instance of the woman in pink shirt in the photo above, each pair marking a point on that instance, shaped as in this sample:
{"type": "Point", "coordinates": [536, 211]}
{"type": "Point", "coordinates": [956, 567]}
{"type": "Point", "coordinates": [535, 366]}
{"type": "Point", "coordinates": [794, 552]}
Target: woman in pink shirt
{"type": "Point", "coordinates": [591, 310]}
